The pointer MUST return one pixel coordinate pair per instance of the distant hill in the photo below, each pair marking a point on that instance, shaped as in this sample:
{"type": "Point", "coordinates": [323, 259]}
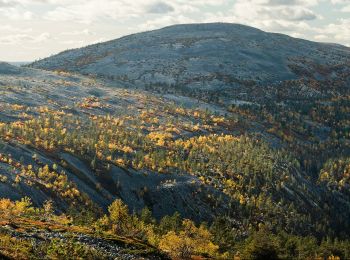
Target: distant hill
{"type": "Point", "coordinates": [19, 63]}
{"type": "Point", "coordinates": [6, 68]}
{"type": "Point", "coordinates": [212, 58]}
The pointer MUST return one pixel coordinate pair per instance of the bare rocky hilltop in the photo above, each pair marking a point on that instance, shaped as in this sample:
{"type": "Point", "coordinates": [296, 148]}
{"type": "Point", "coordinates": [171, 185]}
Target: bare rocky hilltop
{"type": "Point", "coordinates": [224, 58]}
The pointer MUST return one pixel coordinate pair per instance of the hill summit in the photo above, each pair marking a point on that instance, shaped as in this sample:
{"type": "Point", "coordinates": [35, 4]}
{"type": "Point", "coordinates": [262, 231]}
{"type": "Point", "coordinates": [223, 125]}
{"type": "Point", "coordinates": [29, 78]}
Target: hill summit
{"type": "Point", "coordinates": [6, 68]}
{"type": "Point", "coordinates": [216, 57]}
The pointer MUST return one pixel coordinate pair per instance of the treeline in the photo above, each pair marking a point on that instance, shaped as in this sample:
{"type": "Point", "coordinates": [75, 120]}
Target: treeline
{"type": "Point", "coordinates": [264, 185]}
{"type": "Point", "coordinates": [177, 237]}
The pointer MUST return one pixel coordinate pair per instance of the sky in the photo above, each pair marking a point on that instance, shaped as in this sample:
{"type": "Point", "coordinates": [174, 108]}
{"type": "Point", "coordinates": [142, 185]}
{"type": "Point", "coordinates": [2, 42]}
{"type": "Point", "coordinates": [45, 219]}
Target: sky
{"type": "Point", "coordinates": [34, 29]}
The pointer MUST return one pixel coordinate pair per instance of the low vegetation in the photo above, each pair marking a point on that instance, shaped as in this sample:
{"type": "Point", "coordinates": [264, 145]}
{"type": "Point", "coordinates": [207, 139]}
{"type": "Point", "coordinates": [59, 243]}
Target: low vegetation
{"type": "Point", "coordinates": [140, 234]}
{"type": "Point", "coordinates": [272, 172]}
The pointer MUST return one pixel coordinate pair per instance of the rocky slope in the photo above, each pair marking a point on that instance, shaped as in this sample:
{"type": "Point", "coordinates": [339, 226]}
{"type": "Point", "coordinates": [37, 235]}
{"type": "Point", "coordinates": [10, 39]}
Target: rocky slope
{"type": "Point", "coordinates": [215, 58]}
{"type": "Point", "coordinates": [27, 93]}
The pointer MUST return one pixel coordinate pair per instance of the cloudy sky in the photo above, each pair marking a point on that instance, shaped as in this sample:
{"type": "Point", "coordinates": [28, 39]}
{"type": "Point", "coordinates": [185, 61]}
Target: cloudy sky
{"type": "Point", "coordinates": [32, 29]}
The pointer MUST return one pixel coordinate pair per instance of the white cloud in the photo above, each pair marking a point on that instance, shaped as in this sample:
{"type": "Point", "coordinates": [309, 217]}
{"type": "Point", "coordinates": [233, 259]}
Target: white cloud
{"type": "Point", "coordinates": [74, 43]}
{"type": "Point", "coordinates": [276, 10]}
{"type": "Point", "coordinates": [15, 39]}
{"type": "Point", "coordinates": [78, 33]}
{"type": "Point", "coordinates": [272, 3]}
{"type": "Point", "coordinates": [160, 8]}
{"type": "Point", "coordinates": [346, 9]}
{"type": "Point", "coordinates": [89, 11]}
{"type": "Point", "coordinates": [16, 14]}
{"type": "Point", "coordinates": [6, 3]}
{"type": "Point", "coordinates": [5, 28]}
{"type": "Point", "coordinates": [340, 1]}
{"type": "Point", "coordinates": [339, 31]}
{"type": "Point", "coordinates": [321, 37]}
{"type": "Point", "coordinates": [165, 21]}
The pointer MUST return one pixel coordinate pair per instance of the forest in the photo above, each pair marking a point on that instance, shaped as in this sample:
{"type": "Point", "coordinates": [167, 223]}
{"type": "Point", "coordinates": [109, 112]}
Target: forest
{"type": "Point", "coordinates": [259, 184]}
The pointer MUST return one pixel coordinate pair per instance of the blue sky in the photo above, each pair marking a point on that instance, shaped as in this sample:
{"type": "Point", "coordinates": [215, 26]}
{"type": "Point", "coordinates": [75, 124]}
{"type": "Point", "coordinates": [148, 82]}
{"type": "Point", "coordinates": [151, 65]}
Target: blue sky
{"type": "Point", "coordinates": [33, 29]}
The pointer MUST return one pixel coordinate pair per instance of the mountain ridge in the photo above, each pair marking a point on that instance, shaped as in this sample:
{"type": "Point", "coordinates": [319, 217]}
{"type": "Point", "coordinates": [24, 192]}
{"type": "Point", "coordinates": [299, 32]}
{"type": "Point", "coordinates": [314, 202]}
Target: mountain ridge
{"type": "Point", "coordinates": [194, 56]}
{"type": "Point", "coordinates": [191, 25]}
